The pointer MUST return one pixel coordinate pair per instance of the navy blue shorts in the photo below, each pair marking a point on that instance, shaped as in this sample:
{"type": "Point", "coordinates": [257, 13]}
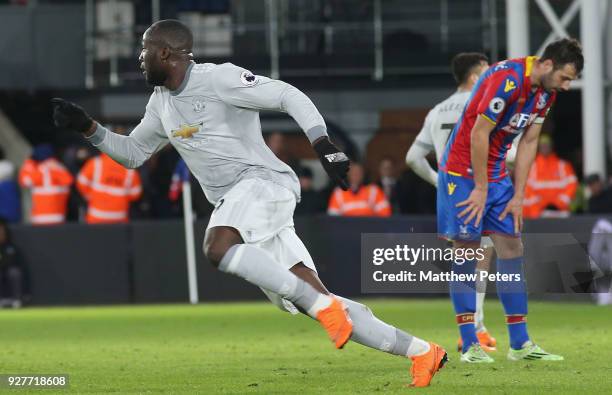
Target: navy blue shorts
{"type": "Point", "coordinates": [453, 189]}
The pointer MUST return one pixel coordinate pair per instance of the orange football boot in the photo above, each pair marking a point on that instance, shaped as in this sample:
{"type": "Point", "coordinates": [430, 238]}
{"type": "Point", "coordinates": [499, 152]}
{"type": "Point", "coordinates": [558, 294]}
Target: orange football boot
{"type": "Point", "coordinates": [336, 321]}
{"type": "Point", "coordinates": [426, 365]}
{"type": "Point", "coordinates": [487, 342]}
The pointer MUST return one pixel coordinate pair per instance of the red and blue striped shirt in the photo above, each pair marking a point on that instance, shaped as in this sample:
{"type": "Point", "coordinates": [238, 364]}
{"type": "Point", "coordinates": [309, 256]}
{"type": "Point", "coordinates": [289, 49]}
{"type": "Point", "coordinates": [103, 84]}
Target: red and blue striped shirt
{"type": "Point", "coordinates": [504, 96]}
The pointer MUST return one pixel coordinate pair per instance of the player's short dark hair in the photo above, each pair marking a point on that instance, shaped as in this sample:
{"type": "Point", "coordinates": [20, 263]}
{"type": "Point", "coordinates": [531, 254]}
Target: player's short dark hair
{"type": "Point", "coordinates": [564, 51]}
{"type": "Point", "coordinates": [464, 63]}
{"type": "Point", "coordinates": [174, 33]}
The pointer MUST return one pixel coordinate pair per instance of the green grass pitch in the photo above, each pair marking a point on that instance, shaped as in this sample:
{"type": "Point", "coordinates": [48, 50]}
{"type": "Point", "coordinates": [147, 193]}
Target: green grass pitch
{"type": "Point", "coordinates": [254, 348]}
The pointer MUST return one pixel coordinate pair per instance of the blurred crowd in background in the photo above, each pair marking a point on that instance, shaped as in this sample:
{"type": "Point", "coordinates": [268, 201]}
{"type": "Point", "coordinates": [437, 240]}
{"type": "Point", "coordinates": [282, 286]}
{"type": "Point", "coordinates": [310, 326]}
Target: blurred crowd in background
{"type": "Point", "coordinates": [79, 184]}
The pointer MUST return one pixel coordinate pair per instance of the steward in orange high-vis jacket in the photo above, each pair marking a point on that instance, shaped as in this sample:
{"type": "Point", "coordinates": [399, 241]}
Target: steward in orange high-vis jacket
{"type": "Point", "coordinates": [359, 200]}
{"type": "Point", "coordinates": [108, 188]}
{"type": "Point", "coordinates": [49, 182]}
{"type": "Point", "coordinates": [551, 184]}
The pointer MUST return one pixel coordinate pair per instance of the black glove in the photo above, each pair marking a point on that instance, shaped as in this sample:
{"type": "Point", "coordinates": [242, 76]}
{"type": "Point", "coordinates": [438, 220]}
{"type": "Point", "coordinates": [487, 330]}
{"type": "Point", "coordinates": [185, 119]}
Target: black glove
{"type": "Point", "coordinates": [334, 161]}
{"type": "Point", "coordinates": [70, 116]}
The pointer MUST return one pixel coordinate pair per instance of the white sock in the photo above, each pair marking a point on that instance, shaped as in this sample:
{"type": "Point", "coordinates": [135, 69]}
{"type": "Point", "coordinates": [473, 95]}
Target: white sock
{"type": "Point", "coordinates": [417, 347]}
{"type": "Point", "coordinates": [258, 267]}
{"type": "Point", "coordinates": [319, 304]}
{"type": "Point", "coordinates": [374, 333]}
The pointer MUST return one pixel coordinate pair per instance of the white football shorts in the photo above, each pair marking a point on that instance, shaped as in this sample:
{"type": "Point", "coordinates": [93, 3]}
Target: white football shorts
{"type": "Point", "coordinates": [262, 212]}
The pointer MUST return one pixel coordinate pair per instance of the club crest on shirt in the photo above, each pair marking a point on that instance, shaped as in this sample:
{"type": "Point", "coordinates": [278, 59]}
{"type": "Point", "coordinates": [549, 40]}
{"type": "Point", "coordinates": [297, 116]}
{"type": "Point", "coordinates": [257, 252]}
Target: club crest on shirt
{"type": "Point", "coordinates": [249, 79]}
{"type": "Point", "coordinates": [497, 105]}
{"type": "Point", "coordinates": [541, 101]}
{"type": "Point", "coordinates": [198, 103]}
{"type": "Point", "coordinates": [187, 131]}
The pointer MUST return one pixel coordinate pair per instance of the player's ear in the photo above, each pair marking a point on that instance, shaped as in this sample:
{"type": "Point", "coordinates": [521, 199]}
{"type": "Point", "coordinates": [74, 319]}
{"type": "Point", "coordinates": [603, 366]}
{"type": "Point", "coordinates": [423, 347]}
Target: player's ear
{"type": "Point", "coordinates": [474, 78]}
{"type": "Point", "coordinates": [548, 65]}
{"type": "Point", "coordinates": [164, 54]}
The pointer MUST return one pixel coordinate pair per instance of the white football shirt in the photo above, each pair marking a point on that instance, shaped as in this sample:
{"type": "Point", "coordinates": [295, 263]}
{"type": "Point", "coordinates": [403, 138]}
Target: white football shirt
{"type": "Point", "coordinates": [440, 122]}
{"type": "Point", "coordinates": [212, 120]}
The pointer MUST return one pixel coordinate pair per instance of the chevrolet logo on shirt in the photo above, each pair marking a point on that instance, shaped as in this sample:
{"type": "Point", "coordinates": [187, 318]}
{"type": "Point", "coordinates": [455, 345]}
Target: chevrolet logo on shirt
{"type": "Point", "coordinates": [509, 86]}
{"type": "Point", "coordinates": [186, 131]}
{"type": "Point", "coordinates": [451, 188]}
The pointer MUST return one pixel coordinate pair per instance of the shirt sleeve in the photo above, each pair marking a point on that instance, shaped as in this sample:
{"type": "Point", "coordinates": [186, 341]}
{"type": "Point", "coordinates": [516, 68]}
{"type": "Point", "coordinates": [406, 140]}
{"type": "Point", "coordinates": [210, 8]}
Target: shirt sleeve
{"type": "Point", "coordinates": [424, 139]}
{"type": "Point", "coordinates": [133, 150]}
{"type": "Point", "coordinates": [500, 90]}
{"type": "Point", "coordinates": [241, 88]}
{"type": "Point", "coordinates": [421, 147]}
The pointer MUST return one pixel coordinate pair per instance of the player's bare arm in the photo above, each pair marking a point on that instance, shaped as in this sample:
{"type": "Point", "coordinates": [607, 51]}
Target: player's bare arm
{"type": "Point", "coordinates": [417, 161]}
{"type": "Point", "coordinates": [525, 155]}
{"type": "Point", "coordinates": [420, 148]}
{"type": "Point", "coordinates": [475, 203]}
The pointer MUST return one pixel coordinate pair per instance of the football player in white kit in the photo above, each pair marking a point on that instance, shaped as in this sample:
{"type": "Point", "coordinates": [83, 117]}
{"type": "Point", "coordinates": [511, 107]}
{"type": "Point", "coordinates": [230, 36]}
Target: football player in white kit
{"type": "Point", "coordinates": [439, 123]}
{"type": "Point", "coordinates": [210, 114]}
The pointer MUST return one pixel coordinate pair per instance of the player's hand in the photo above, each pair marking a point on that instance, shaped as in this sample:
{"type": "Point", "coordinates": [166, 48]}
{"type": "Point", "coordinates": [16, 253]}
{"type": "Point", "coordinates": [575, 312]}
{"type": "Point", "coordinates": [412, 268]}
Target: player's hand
{"type": "Point", "coordinates": [334, 161]}
{"type": "Point", "coordinates": [475, 204]}
{"type": "Point", "coordinates": [514, 207]}
{"type": "Point", "coordinates": [70, 116]}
